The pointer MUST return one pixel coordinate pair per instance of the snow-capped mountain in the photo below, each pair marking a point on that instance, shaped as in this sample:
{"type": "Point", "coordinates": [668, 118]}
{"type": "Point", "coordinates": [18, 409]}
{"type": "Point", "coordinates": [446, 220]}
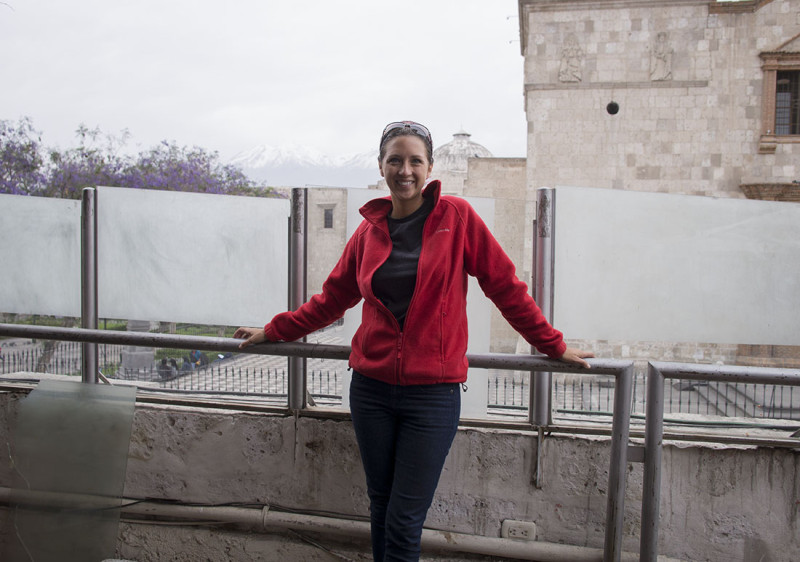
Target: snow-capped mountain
{"type": "Point", "coordinates": [296, 165]}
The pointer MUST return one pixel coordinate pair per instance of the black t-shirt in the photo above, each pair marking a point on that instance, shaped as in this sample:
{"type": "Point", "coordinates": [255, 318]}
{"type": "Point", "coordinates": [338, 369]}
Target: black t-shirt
{"type": "Point", "coordinates": [394, 281]}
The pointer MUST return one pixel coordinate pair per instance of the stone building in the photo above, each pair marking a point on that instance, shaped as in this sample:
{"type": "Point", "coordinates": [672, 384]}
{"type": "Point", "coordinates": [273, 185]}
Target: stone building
{"type": "Point", "coordinates": [684, 96]}
{"type": "Point", "coordinates": [450, 162]}
{"type": "Point", "coordinates": [468, 169]}
{"type": "Point", "coordinates": [327, 233]}
{"type": "Point", "coordinates": [503, 179]}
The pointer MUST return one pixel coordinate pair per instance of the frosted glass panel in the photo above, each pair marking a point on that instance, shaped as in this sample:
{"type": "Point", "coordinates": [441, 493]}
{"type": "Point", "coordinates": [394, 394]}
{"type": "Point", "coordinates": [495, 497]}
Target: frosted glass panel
{"type": "Point", "coordinates": [657, 267]}
{"type": "Point", "coordinates": [71, 440]}
{"type": "Point", "coordinates": [190, 257]}
{"type": "Point", "coordinates": [40, 256]}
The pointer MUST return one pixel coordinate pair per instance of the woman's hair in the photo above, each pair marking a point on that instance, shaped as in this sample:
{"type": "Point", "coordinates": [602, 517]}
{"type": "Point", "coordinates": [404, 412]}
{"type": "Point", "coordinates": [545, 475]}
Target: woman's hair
{"type": "Point", "coordinates": [404, 128]}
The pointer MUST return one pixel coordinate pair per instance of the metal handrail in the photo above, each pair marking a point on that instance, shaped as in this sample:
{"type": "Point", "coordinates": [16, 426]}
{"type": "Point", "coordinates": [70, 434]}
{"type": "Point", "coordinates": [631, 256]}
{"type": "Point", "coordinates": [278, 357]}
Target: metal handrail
{"type": "Point", "coordinates": [654, 428]}
{"type": "Point", "coordinates": [622, 370]}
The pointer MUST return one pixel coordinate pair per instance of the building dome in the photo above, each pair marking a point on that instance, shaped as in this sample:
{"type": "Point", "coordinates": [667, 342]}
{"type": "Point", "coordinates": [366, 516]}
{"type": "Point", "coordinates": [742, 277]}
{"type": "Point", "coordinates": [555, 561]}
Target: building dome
{"type": "Point", "coordinates": [453, 156]}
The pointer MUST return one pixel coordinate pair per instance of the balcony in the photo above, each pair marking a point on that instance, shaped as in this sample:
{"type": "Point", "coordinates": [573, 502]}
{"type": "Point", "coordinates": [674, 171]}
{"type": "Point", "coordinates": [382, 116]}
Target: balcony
{"type": "Point", "coordinates": [221, 479]}
{"type": "Point", "coordinates": [222, 473]}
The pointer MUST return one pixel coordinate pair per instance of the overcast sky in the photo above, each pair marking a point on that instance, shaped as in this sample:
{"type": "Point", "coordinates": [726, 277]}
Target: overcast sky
{"type": "Point", "coordinates": [231, 74]}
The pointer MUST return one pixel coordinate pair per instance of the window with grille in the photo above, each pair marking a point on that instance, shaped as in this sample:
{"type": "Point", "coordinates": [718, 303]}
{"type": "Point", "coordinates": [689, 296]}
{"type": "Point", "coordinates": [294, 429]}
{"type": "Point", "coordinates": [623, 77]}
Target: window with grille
{"type": "Point", "coordinates": [787, 103]}
{"type": "Point", "coordinates": [328, 218]}
{"type": "Point", "coordinates": [780, 101]}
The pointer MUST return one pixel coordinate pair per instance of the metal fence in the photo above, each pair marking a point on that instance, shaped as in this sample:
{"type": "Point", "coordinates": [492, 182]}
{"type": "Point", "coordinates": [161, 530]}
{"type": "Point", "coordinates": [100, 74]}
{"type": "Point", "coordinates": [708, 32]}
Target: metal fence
{"type": "Point", "coordinates": [660, 373]}
{"type": "Point", "coordinates": [620, 370]}
{"type": "Point", "coordinates": [620, 394]}
{"type": "Point", "coordinates": [508, 394]}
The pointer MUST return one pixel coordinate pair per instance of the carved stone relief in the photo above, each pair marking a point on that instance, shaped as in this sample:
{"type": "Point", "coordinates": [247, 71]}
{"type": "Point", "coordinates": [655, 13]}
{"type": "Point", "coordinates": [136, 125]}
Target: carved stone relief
{"type": "Point", "coordinates": [571, 60]}
{"type": "Point", "coordinates": [661, 58]}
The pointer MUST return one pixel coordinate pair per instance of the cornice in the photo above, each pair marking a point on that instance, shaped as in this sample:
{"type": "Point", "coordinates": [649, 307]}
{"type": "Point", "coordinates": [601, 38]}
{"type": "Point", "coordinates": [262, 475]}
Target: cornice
{"type": "Point", "coordinates": [618, 85]}
{"type": "Point", "coordinates": [571, 5]}
{"type": "Point", "coordinates": [783, 55]}
{"type": "Point", "coordinates": [747, 6]}
{"type": "Point", "coordinates": [780, 60]}
{"type": "Point", "coordinates": [531, 6]}
{"type": "Point", "coordinates": [713, 6]}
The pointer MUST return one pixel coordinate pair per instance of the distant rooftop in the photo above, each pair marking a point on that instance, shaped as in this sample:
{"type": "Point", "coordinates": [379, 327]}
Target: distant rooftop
{"type": "Point", "coordinates": [453, 156]}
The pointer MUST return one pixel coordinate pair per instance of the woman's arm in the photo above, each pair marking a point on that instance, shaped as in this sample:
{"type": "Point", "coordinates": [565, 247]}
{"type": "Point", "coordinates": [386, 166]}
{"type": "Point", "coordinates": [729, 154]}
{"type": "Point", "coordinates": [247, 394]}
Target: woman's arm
{"type": "Point", "coordinates": [488, 262]}
{"type": "Point", "coordinates": [339, 293]}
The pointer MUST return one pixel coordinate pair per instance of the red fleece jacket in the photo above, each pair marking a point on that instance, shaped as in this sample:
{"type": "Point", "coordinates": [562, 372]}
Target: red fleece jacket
{"type": "Point", "coordinates": [433, 346]}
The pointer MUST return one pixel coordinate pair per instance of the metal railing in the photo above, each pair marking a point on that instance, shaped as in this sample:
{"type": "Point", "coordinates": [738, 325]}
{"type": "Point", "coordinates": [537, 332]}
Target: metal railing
{"type": "Point", "coordinates": [574, 397]}
{"type": "Point", "coordinates": [654, 428]}
{"type": "Point", "coordinates": [622, 371]}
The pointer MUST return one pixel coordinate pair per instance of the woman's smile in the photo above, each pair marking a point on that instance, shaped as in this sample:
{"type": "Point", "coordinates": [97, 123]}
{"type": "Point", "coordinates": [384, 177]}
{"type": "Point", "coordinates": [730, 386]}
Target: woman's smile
{"type": "Point", "coordinates": [406, 168]}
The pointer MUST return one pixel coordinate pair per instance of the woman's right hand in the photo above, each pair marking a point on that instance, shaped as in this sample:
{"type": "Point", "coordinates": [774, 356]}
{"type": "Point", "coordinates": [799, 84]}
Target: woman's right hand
{"type": "Point", "coordinates": [250, 336]}
{"type": "Point", "coordinates": [577, 357]}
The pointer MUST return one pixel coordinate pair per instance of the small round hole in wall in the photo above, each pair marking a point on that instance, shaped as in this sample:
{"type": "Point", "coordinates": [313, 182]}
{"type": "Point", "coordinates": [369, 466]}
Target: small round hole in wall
{"type": "Point", "coordinates": [612, 108]}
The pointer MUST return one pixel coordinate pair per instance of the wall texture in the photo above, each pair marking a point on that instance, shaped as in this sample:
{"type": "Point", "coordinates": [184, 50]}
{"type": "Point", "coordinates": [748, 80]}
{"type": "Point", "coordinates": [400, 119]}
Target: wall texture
{"type": "Point", "coordinates": [717, 503]}
{"type": "Point", "coordinates": [686, 76]}
{"type": "Point", "coordinates": [503, 179]}
{"type": "Point", "coordinates": [325, 245]}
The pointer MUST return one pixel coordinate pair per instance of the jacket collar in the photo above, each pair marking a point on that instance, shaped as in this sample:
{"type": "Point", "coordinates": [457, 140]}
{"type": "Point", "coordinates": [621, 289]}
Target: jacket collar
{"type": "Point", "coordinates": [376, 210]}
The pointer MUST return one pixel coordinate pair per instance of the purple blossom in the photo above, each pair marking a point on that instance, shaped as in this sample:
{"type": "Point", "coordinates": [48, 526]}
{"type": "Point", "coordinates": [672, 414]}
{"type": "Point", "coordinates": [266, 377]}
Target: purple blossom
{"type": "Point", "coordinates": [65, 173]}
{"type": "Point", "coordinates": [21, 163]}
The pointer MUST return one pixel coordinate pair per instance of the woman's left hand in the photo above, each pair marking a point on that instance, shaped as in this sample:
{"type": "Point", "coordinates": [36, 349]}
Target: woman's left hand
{"type": "Point", "coordinates": [576, 356]}
{"type": "Point", "coordinates": [250, 336]}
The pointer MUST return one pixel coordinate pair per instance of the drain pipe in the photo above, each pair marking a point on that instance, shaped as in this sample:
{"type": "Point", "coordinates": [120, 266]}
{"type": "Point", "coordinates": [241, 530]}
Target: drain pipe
{"type": "Point", "coordinates": [266, 519]}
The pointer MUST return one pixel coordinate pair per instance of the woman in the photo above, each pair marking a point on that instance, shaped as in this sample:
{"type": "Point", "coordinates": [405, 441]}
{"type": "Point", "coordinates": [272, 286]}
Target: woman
{"type": "Point", "coordinates": [409, 260]}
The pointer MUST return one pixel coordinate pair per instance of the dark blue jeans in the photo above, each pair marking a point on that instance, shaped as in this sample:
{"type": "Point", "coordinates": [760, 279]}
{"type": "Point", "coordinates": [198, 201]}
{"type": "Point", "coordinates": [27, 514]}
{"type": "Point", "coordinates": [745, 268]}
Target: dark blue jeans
{"type": "Point", "coordinates": [404, 434]}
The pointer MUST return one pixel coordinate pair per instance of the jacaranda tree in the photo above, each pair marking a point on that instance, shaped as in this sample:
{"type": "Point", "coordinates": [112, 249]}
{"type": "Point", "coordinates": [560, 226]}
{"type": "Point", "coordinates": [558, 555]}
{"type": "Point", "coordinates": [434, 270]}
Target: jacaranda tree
{"type": "Point", "coordinates": [26, 168]}
{"type": "Point", "coordinates": [21, 163]}
{"type": "Point", "coordinates": [89, 164]}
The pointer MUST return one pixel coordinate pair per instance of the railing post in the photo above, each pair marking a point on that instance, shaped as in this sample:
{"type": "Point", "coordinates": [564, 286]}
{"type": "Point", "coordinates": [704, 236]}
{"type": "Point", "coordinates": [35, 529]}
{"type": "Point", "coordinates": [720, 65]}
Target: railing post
{"type": "Point", "coordinates": [89, 281]}
{"type": "Point", "coordinates": [651, 480]}
{"type": "Point", "coordinates": [297, 290]}
{"type": "Point", "coordinates": [540, 414]}
{"type": "Point", "coordinates": [620, 431]}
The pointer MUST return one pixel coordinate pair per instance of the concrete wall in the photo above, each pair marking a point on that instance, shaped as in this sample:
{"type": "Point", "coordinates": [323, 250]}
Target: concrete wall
{"type": "Point", "coordinates": [689, 125]}
{"type": "Point", "coordinates": [717, 503]}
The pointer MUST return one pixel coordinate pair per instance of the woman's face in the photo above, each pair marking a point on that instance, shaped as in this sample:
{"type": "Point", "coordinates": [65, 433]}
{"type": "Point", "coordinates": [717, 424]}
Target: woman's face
{"type": "Point", "coordinates": [405, 167]}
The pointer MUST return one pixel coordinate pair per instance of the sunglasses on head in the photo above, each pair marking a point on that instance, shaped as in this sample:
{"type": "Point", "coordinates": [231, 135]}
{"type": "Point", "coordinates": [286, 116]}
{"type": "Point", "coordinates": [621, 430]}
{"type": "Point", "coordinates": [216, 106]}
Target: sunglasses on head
{"type": "Point", "coordinates": [416, 128]}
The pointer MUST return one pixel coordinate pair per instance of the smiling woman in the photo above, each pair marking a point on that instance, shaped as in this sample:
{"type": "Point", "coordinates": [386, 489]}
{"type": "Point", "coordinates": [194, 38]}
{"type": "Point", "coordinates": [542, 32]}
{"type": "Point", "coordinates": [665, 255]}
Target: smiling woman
{"type": "Point", "coordinates": [405, 162]}
{"type": "Point", "coordinates": [409, 260]}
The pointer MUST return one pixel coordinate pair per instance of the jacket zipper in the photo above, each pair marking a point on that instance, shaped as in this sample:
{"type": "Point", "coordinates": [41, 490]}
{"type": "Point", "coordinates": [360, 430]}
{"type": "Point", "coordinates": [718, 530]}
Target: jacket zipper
{"type": "Point", "coordinates": [425, 228]}
{"type": "Point", "coordinates": [425, 235]}
{"type": "Point", "coordinates": [399, 357]}
{"type": "Point", "coordinates": [392, 319]}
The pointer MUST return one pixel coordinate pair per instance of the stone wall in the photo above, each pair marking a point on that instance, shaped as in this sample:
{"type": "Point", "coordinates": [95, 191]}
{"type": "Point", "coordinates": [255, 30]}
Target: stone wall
{"type": "Point", "coordinates": [686, 77]}
{"type": "Point", "coordinates": [325, 245]}
{"type": "Point", "coordinates": [717, 503]}
{"type": "Point", "coordinates": [687, 81]}
{"type": "Point", "coordinates": [503, 179]}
